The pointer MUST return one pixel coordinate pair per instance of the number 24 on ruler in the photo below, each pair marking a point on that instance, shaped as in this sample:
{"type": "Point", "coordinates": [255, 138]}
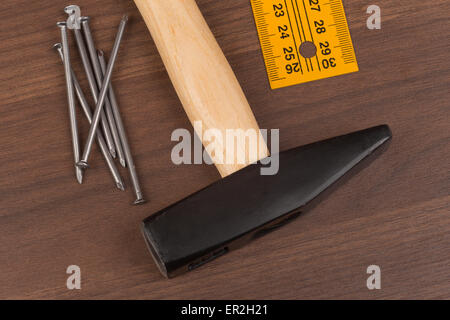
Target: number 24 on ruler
{"type": "Point", "coordinates": [303, 40]}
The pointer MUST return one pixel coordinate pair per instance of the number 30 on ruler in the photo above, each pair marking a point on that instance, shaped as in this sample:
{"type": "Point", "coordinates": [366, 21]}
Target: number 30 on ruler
{"type": "Point", "coordinates": [303, 40]}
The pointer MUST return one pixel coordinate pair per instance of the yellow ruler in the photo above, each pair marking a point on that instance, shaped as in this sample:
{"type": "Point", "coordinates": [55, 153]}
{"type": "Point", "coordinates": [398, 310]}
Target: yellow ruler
{"type": "Point", "coordinates": [303, 40]}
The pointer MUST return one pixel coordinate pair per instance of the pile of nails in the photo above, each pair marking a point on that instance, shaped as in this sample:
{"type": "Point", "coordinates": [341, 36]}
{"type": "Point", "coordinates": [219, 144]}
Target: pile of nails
{"type": "Point", "coordinates": [106, 123]}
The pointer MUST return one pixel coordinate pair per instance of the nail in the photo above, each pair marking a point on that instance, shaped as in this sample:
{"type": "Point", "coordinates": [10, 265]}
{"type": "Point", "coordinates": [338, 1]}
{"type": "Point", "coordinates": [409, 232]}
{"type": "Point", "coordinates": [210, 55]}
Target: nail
{"type": "Point", "coordinates": [115, 106]}
{"type": "Point", "coordinates": [123, 137]}
{"type": "Point", "coordinates": [92, 82]}
{"type": "Point", "coordinates": [88, 113]}
{"type": "Point", "coordinates": [83, 163]}
{"type": "Point", "coordinates": [99, 76]}
{"type": "Point", "coordinates": [71, 99]}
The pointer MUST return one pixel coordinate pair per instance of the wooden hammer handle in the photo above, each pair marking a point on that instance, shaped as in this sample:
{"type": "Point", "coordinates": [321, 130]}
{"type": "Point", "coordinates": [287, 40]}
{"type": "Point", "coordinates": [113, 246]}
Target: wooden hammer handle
{"type": "Point", "coordinates": [200, 73]}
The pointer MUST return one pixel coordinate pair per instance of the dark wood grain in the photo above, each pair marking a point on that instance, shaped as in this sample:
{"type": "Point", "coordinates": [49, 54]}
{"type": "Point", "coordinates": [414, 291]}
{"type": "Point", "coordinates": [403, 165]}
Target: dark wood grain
{"type": "Point", "coordinates": [394, 214]}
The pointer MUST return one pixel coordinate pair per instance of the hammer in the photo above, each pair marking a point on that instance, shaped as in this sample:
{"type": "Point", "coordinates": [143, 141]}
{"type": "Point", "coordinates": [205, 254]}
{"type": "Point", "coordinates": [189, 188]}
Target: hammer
{"type": "Point", "coordinates": [244, 204]}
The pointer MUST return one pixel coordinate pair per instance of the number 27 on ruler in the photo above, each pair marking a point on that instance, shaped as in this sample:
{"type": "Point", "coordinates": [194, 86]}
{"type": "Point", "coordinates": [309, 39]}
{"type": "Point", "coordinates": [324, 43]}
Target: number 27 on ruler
{"type": "Point", "coordinates": [303, 40]}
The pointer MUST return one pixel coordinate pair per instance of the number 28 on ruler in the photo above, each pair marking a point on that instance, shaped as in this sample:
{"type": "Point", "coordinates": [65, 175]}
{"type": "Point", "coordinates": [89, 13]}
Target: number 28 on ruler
{"type": "Point", "coordinates": [303, 40]}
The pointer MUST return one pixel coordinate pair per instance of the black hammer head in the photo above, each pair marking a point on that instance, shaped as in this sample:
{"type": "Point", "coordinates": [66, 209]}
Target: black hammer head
{"type": "Point", "coordinates": [246, 205]}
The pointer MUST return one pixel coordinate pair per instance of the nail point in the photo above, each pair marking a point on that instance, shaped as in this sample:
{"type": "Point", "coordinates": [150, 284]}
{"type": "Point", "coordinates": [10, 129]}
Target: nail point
{"type": "Point", "coordinates": [123, 163]}
{"type": "Point", "coordinates": [113, 153]}
{"type": "Point", "coordinates": [80, 176]}
{"type": "Point", "coordinates": [120, 186]}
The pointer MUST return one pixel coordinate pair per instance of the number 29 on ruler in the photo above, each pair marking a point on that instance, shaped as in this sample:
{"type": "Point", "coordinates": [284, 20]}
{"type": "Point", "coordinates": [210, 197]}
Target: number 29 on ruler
{"type": "Point", "coordinates": [303, 40]}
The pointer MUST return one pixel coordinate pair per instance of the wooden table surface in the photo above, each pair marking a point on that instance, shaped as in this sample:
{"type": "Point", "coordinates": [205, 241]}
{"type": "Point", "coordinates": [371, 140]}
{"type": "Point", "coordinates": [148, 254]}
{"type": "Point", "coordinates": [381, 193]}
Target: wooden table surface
{"type": "Point", "coordinates": [394, 214]}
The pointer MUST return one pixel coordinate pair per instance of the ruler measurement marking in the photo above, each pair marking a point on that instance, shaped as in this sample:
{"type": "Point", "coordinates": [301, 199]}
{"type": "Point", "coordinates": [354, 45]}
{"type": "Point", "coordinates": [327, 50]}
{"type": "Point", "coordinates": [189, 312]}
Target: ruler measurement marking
{"type": "Point", "coordinates": [293, 36]}
{"type": "Point", "coordinates": [298, 24]}
{"type": "Point", "coordinates": [298, 29]}
{"type": "Point", "coordinates": [310, 31]}
{"type": "Point", "coordinates": [272, 70]}
{"type": "Point", "coordinates": [340, 23]}
{"type": "Point", "coordinates": [343, 33]}
{"type": "Point", "coordinates": [346, 46]}
{"type": "Point", "coordinates": [303, 29]}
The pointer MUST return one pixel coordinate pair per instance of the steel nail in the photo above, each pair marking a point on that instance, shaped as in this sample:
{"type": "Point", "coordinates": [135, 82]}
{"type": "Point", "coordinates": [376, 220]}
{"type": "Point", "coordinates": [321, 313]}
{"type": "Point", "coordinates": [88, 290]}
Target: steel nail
{"type": "Point", "coordinates": [73, 12]}
{"type": "Point", "coordinates": [87, 111]}
{"type": "Point", "coordinates": [99, 76]}
{"type": "Point", "coordinates": [101, 100]}
{"type": "Point", "coordinates": [123, 137]}
{"type": "Point", "coordinates": [71, 99]}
